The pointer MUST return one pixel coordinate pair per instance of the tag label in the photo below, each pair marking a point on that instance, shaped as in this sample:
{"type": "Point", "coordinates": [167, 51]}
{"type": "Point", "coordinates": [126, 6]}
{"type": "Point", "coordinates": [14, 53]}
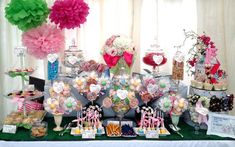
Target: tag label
{"type": "Point", "coordinates": [9, 129]}
{"type": "Point", "coordinates": [88, 134]}
{"type": "Point", "coordinates": [153, 134]}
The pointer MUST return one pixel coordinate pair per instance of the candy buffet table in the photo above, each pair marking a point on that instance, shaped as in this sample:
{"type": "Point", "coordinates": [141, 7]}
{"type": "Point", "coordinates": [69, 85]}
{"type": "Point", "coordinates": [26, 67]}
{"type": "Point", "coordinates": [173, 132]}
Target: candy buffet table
{"type": "Point", "coordinates": [22, 138]}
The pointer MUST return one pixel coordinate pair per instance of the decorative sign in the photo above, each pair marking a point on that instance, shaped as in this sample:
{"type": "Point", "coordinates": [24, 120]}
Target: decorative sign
{"type": "Point", "coordinates": [222, 125]}
{"type": "Point", "coordinates": [9, 129]}
{"type": "Point", "coordinates": [88, 134]}
{"type": "Point", "coordinates": [152, 134]}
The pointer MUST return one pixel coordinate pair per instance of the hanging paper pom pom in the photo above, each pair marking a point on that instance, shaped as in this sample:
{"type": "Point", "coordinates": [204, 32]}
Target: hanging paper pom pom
{"type": "Point", "coordinates": [69, 13]}
{"type": "Point", "coordinates": [26, 14]}
{"type": "Point", "coordinates": [43, 40]}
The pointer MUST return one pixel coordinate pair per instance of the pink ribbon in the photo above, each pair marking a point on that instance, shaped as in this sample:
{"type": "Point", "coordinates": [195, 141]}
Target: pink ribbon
{"type": "Point", "coordinates": [19, 101]}
{"type": "Point", "coordinates": [202, 118]}
{"type": "Point", "coordinates": [210, 54]}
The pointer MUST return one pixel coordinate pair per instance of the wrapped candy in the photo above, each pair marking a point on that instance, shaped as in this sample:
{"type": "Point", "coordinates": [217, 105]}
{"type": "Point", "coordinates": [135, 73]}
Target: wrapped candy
{"type": "Point", "coordinates": [135, 84]}
{"type": "Point", "coordinates": [165, 104]}
{"type": "Point", "coordinates": [70, 104]}
{"type": "Point", "coordinates": [51, 105]}
{"type": "Point", "coordinates": [107, 102]}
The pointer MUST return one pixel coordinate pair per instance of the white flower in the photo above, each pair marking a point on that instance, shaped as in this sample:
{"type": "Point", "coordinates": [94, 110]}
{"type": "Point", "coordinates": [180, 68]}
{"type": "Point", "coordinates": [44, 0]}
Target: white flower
{"type": "Point", "coordinates": [123, 43]}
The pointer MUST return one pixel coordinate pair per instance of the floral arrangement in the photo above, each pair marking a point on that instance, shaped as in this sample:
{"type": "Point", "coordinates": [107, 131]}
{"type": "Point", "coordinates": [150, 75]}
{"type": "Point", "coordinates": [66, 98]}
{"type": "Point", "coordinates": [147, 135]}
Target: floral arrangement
{"type": "Point", "coordinates": [60, 100]}
{"type": "Point", "coordinates": [121, 100]}
{"type": "Point", "coordinates": [69, 13]}
{"type": "Point", "coordinates": [26, 14]}
{"type": "Point", "coordinates": [118, 52]}
{"type": "Point", "coordinates": [43, 40]}
{"type": "Point", "coordinates": [91, 86]}
{"type": "Point", "coordinates": [203, 63]}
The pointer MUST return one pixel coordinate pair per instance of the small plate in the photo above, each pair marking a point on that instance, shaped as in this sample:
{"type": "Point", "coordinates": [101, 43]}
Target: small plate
{"type": "Point", "coordinates": [136, 132]}
{"type": "Point", "coordinates": [74, 133]}
{"type": "Point", "coordinates": [164, 134]}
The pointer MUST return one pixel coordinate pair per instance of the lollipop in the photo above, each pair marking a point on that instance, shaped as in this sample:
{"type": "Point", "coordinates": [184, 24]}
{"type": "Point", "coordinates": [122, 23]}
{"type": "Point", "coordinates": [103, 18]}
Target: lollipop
{"type": "Point", "coordinates": [51, 105]}
{"type": "Point", "coordinates": [179, 106]}
{"type": "Point", "coordinates": [164, 85]}
{"type": "Point", "coordinates": [134, 103]}
{"type": "Point", "coordinates": [80, 83]}
{"type": "Point", "coordinates": [165, 104]}
{"type": "Point", "coordinates": [79, 106]}
{"type": "Point", "coordinates": [66, 90]}
{"type": "Point", "coordinates": [146, 97]}
{"type": "Point", "coordinates": [91, 96]}
{"type": "Point", "coordinates": [107, 102]}
{"type": "Point", "coordinates": [104, 82]}
{"type": "Point", "coordinates": [70, 104]}
{"type": "Point", "coordinates": [135, 84]}
{"type": "Point", "coordinates": [148, 79]}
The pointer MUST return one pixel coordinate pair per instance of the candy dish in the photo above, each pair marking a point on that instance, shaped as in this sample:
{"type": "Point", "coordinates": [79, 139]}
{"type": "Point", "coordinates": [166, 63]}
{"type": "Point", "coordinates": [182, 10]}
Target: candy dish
{"type": "Point", "coordinates": [18, 118]}
{"type": "Point", "coordinates": [140, 131]}
{"type": "Point", "coordinates": [39, 130]}
{"type": "Point", "coordinates": [100, 131]}
{"type": "Point", "coordinates": [76, 131]}
{"type": "Point", "coordinates": [163, 131]}
{"type": "Point", "coordinates": [113, 130]}
{"type": "Point", "coordinates": [128, 131]}
{"type": "Point", "coordinates": [25, 94]}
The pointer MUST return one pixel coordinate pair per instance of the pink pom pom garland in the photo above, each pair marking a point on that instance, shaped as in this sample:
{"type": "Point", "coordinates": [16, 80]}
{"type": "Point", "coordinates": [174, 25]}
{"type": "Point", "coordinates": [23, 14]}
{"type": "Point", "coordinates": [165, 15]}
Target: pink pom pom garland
{"type": "Point", "coordinates": [69, 13]}
{"type": "Point", "coordinates": [43, 40]}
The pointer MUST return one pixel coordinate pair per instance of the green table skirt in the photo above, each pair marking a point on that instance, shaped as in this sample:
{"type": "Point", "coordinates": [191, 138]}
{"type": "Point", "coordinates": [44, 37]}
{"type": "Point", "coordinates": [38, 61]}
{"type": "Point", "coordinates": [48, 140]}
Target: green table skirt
{"type": "Point", "coordinates": [24, 134]}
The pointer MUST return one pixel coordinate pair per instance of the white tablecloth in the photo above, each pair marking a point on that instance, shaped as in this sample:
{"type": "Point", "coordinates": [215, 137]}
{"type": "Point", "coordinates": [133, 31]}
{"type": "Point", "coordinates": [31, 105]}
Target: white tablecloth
{"type": "Point", "coordinates": [121, 143]}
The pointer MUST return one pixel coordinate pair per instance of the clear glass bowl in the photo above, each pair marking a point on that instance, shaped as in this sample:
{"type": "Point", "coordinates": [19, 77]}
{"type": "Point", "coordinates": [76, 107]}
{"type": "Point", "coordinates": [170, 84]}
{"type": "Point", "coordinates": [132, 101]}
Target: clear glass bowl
{"type": "Point", "coordinates": [39, 129]}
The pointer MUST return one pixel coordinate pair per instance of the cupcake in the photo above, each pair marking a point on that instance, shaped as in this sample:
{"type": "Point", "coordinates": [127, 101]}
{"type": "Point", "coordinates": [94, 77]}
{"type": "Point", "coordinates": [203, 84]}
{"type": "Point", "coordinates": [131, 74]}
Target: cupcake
{"type": "Point", "coordinates": [208, 86]}
{"type": "Point", "coordinates": [224, 86]}
{"type": "Point", "coordinates": [218, 86]}
{"type": "Point", "coordinates": [199, 85]}
{"type": "Point", "coordinates": [193, 83]}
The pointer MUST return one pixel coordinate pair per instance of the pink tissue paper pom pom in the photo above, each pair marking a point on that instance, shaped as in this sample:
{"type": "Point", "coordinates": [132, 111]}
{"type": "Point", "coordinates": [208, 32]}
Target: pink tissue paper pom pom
{"type": "Point", "coordinates": [43, 40]}
{"type": "Point", "coordinates": [69, 13]}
